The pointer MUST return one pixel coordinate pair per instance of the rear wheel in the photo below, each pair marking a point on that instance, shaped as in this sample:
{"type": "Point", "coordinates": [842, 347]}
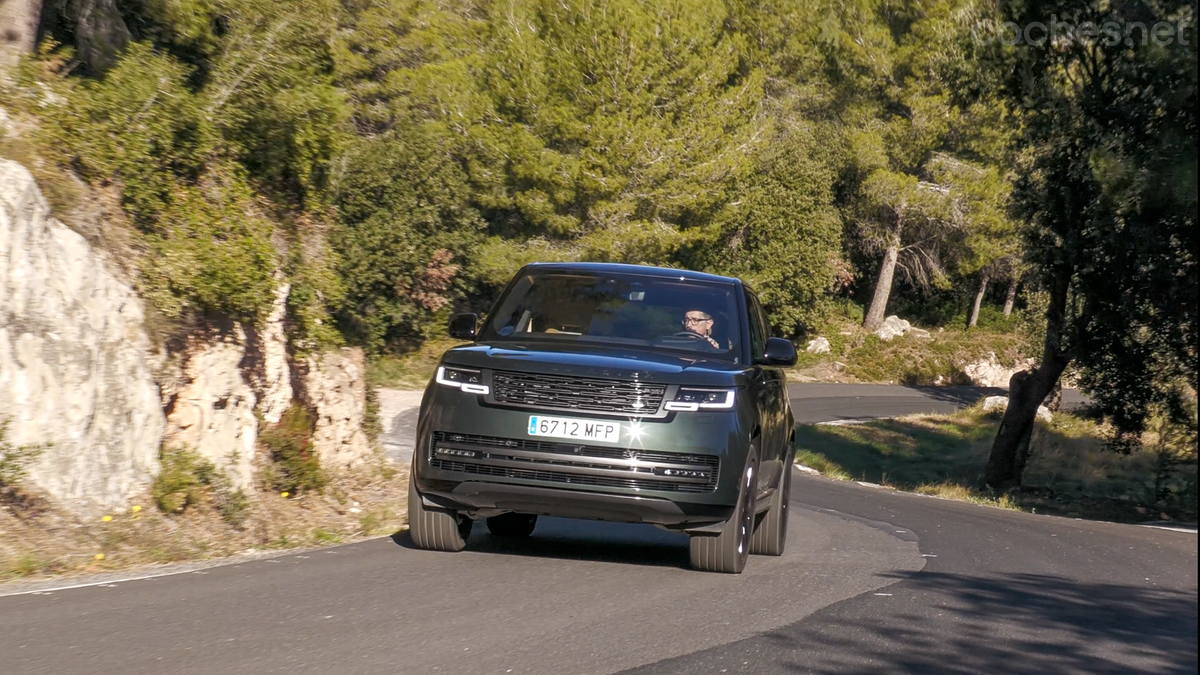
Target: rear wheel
{"type": "Point", "coordinates": [435, 529]}
{"type": "Point", "coordinates": [727, 551]}
{"type": "Point", "coordinates": [512, 524]}
{"type": "Point", "coordinates": [770, 536]}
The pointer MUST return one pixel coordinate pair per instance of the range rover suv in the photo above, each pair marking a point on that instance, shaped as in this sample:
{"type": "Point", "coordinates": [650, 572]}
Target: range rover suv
{"type": "Point", "coordinates": [611, 392]}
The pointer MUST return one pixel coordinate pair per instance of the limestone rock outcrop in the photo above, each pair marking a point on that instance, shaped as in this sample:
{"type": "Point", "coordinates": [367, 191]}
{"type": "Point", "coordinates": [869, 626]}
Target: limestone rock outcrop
{"type": "Point", "coordinates": [211, 408]}
{"type": "Point", "coordinates": [80, 377]}
{"type": "Point", "coordinates": [335, 389]}
{"type": "Point", "coordinates": [75, 373]}
{"type": "Point", "coordinates": [272, 376]}
{"type": "Point", "coordinates": [999, 404]}
{"type": "Point", "coordinates": [989, 372]}
{"type": "Point", "coordinates": [818, 346]}
{"type": "Point", "coordinates": [892, 327]}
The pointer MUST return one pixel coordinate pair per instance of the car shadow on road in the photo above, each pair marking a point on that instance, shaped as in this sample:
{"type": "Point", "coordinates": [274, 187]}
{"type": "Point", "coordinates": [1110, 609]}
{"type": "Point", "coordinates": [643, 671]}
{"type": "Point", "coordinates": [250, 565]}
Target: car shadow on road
{"type": "Point", "coordinates": [595, 541]}
{"type": "Point", "coordinates": [952, 624]}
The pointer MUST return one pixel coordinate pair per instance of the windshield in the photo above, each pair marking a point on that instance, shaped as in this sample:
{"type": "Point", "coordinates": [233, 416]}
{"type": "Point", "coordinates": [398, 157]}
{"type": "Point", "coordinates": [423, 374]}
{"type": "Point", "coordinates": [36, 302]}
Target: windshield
{"type": "Point", "coordinates": [684, 315]}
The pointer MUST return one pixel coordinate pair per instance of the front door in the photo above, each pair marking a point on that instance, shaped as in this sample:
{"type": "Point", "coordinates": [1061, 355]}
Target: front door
{"type": "Point", "coordinates": [770, 391]}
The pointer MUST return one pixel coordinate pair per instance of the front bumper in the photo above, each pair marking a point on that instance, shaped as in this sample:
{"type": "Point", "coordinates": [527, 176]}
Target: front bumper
{"type": "Point", "coordinates": [681, 470]}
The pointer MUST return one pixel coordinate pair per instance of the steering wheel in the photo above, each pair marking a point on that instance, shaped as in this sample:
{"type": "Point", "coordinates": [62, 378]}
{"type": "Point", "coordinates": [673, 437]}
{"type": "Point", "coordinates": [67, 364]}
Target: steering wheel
{"type": "Point", "coordinates": [689, 334]}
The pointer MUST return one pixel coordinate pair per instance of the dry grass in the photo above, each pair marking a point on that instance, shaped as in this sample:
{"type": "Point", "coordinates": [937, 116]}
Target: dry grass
{"type": "Point", "coordinates": [38, 540]}
{"type": "Point", "coordinates": [1071, 470]}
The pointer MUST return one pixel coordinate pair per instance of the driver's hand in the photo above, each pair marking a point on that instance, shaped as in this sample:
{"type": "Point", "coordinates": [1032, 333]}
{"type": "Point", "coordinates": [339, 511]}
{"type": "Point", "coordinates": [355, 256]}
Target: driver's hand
{"type": "Point", "coordinates": [712, 342]}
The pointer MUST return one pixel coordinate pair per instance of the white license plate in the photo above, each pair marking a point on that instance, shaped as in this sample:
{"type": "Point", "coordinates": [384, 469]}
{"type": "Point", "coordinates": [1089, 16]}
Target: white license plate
{"type": "Point", "coordinates": [576, 430]}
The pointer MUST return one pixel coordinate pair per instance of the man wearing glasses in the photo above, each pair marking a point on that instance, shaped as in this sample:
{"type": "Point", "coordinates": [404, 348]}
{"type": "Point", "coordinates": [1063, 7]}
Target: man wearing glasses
{"type": "Point", "coordinates": [700, 323]}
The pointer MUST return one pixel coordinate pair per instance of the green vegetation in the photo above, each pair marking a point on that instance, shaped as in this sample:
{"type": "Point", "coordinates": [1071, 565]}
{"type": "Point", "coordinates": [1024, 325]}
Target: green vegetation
{"type": "Point", "coordinates": [14, 460]}
{"type": "Point", "coordinates": [939, 358]}
{"type": "Point", "coordinates": [1105, 184]}
{"type": "Point", "coordinates": [397, 160]}
{"type": "Point", "coordinates": [295, 466]}
{"type": "Point", "coordinates": [187, 479]}
{"type": "Point", "coordinates": [1071, 469]}
{"type": "Point", "coordinates": [411, 370]}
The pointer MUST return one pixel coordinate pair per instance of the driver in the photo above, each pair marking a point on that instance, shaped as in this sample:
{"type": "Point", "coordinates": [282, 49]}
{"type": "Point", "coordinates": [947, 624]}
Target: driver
{"type": "Point", "coordinates": [700, 323]}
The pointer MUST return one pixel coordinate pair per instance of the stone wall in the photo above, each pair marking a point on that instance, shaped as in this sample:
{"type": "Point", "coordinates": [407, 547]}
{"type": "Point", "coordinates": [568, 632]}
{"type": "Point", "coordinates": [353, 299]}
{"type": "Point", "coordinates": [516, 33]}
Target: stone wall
{"type": "Point", "coordinates": [75, 374]}
{"type": "Point", "coordinates": [79, 375]}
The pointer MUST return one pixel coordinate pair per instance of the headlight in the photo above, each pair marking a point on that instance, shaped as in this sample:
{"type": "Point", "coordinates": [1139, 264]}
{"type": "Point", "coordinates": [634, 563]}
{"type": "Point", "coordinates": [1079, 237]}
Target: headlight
{"type": "Point", "coordinates": [470, 381]}
{"type": "Point", "coordinates": [703, 399]}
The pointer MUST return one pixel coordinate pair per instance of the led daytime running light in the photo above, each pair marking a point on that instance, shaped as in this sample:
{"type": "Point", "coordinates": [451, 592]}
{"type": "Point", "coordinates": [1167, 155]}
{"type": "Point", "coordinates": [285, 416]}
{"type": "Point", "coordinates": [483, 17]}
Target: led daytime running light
{"type": "Point", "coordinates": [466, 387]}
{"type": "Point", "coordinates": [688, 406]}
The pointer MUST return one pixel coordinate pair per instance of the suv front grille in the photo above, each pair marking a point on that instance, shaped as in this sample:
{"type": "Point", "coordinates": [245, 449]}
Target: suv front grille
{"type": "Point", "coordinates": [574, 464]}
{"type": "Point", "coordinates": [577, 393]}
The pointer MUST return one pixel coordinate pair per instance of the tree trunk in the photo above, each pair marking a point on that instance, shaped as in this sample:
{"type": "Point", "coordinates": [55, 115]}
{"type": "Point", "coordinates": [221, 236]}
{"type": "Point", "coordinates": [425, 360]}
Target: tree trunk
{"type": "Point", "coordinates": [1010, 297]}
{"type": "Point", "coordinates": [983, 282]}
{"type": "Point", "coordinates": [1026, 391]}
{"type": "Point", "coordinates": [1054, 398]}
{"type": "Point", "coordinates": [97, 26]}
{"type": "Point", "coordinates": [18, 29]}
{"type": "Point", "coordinates": [883, 287]}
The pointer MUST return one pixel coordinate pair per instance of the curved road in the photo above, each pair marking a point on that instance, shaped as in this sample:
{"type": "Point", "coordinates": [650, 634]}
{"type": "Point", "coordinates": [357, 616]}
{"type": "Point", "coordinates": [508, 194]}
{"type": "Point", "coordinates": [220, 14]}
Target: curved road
{"type": "Point", "coordinates": [873, 582]}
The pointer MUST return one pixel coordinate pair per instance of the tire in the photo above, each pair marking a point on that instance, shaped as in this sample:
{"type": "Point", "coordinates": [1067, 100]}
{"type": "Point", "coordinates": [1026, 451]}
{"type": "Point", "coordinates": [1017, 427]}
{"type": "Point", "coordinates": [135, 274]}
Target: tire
{"type": "Point", "coordinates": [770, 536]}
{"type": "Point", "coordinates": [727, 551]}
{"type": "Point", "coordinates": [512, 524]}
{"type": "Point", "coordinates": [435, 529]}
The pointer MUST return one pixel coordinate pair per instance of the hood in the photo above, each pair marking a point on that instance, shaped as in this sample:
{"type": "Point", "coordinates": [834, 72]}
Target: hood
{"type": "Point", "coordinates": [599, 361]}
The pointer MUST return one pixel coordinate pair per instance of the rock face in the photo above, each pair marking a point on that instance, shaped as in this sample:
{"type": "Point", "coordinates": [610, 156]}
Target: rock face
{"type": "Point", "coordinates": [818, 346]}
{"type": "Point", "coordinates": [335, 389]}
{"type": "Point", "coordinates": [74, 369]}
{"type": "Point", "coordinates": [211, 409]}
{"type": "Point", "coordinates": [273, 380]}
{"type": "Point", "coordinates": [79, 375]}
{"type": "Point", "coordinates": [989, 372]}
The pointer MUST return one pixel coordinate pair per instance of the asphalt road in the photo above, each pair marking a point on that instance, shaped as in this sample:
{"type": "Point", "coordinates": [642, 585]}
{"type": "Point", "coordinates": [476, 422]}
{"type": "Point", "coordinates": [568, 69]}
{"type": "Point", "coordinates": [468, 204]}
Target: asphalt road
{"type": "Point", "coordinates": [873, 581]}
{"type": "Point", "coordinates": [812, 403]}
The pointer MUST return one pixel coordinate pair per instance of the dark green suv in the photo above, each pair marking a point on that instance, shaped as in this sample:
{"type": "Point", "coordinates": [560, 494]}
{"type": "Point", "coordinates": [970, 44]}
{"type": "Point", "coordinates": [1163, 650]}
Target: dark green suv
{"type": "Point", "coordinates": [611, 392]}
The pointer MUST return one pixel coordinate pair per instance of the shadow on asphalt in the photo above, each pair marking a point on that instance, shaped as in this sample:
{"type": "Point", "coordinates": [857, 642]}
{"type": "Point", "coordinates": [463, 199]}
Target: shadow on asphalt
{"type": "Point", "coordinates": [960, 396]}
{"type": "Point", "coordinates": [1056, 626]}
{"type": "Point", "coordinates": [1016, 623]}
{"type": "Point", "coordinates": [566, 539]}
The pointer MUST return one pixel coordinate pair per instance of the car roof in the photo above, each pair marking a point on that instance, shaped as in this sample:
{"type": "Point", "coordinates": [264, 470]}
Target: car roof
{"type": "Point", "coordinates": [621, 268]}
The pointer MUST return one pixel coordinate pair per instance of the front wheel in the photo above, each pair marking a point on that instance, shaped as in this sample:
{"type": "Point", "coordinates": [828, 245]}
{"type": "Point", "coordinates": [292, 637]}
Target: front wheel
{"type": "Point", "coordinates": [770, 536]}
{"type": "Point", "coordinates": [435, 529]}
{"type": "Point", "coordinates": [727, 551]}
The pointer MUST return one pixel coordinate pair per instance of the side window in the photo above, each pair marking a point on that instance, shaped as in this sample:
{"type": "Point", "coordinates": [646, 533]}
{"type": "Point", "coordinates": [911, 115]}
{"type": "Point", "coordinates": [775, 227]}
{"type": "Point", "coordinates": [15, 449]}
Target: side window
{"type": "Point", "coordinates": [758, 329]}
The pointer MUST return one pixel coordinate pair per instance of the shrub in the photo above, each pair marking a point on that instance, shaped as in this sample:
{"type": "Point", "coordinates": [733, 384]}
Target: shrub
{"type": "Point", "coordinates": [187, 479]}
{"type": "Point", "coordinates": [783, 235]}
{"type": "Point", "coordinates": [179, 483]}
{"type": "Point", "coordinates": [296, 467]}
{"type": "Point", "coordinates": [14, 460]}
{"type": "Point", "coordinates": [405, 229]}
{"type": "Point", "coordinates": [141, 128]}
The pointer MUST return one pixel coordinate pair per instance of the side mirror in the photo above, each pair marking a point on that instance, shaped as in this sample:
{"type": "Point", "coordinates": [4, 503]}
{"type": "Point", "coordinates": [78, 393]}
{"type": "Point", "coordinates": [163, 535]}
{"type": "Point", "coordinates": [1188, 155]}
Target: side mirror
{"type": "Point", "coordinates": [462, 326]}
{"type": "Point", "coordinates": [780, 352]}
